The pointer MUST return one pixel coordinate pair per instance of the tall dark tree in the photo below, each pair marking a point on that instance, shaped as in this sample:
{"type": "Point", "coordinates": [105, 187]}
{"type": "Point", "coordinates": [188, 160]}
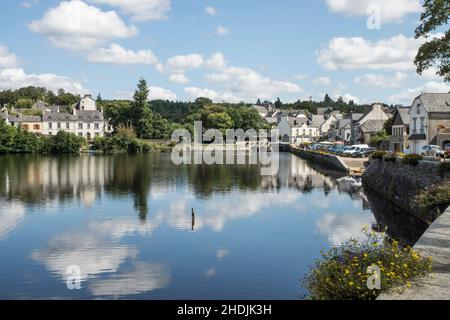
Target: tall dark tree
{"type": "Point", "coordinates": [278, 104]}
{"type": "Point", "coordinates": [436, 50]}
{"type": "Point", "coordinates": [258, 103]}
{"type": "Point", "coordinates": [140, 106]}
{"type": "Point", "coordinates": [327, 99]}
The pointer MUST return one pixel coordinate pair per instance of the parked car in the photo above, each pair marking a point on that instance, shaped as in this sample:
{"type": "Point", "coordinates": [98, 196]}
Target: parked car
{"type": "Point", "coordinates": [432, 151]}
{"type": "Point", "coordinates": [364, 153]}
{"type": "Point", "coordinates": [354, 149]}
{"type": "Point", "coordinates": [341, 150]}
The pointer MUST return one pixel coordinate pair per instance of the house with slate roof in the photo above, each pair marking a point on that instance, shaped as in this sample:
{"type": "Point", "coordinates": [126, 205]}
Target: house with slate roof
{"type": "Point", "coordinates": [429, 113]}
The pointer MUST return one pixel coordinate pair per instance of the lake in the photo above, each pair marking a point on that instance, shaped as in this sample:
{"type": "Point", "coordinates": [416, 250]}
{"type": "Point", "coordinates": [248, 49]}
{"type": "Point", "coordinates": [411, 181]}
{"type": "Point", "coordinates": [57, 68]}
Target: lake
{"type": "Point", "coordinates": [125, 224]}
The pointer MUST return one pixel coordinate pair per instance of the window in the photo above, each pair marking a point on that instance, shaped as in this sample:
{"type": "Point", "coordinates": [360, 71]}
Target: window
{"type": "Point", "coordinates": [414, 125]}
{"type": "Point", "coordinates": [422, 125]}
{"type": "Point", "coordinates": [67, 125]}
{"type": "Point", "coordinates": [418, 108]}
{"type": "Point", "coordinates": [96, 126]}
{"type": "Point", "coordinates": [88, 125]}
{"type": "Point", "coordinates": [25, 126]}
{"type": "Point", "coordinates": [36, 127]}
{"type": "Point", "coordinates": [59, 125]}
{"type": "Point", "coordinates": [80, 126]}
{"type": "Point", "coordinates": [50, 125]}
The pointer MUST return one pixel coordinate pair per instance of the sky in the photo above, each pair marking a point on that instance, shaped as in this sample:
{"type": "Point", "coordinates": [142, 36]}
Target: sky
{"type": "Point", "coordinates": [226, 50]}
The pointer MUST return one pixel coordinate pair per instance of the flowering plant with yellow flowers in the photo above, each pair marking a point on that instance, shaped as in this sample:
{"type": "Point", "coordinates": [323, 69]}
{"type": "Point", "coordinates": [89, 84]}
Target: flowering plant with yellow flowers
{"type": "Point", "coordinates": [347, 272]}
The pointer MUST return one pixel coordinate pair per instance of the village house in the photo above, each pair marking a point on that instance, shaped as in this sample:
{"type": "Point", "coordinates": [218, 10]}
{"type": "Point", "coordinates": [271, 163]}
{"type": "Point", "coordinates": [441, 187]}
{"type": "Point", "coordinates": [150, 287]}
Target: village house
{"type": "Point", "coordinates": [4, 115]}
{"type": "Point", "coordinates": [428, 115]}
{"type": "Point", "coordinates": [297, 130]}
{"type": "Point", "coordinates": [400, 131]}
{"type": "Point", "coordinates": [84, 120]}
{"type": "Point", "coordinates": [369, 125]}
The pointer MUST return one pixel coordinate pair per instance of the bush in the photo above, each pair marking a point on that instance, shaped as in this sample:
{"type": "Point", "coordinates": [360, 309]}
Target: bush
{"type": "Point", "coordinates": [412, 159]}
{"type": "Point", "coordinates": [390, 157]}
{"type": "Point", "coordinates": [436, 196]}
{"type": "Point", "coordinates": [63, 142]}
{"type": "Point", "coordinates": [342, 273]}
{"type": "Point", "coordinates": [378, 155]}
{"type": "Point", "coordinates": [444, 167]}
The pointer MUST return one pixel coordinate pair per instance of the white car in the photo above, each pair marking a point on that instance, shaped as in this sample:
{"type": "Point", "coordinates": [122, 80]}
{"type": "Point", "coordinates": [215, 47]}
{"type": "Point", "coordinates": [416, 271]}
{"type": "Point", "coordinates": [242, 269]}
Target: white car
{"type": "Point", "coordinates": [432, 151]}
{"type": "Point", "coordinates": [354, 149]}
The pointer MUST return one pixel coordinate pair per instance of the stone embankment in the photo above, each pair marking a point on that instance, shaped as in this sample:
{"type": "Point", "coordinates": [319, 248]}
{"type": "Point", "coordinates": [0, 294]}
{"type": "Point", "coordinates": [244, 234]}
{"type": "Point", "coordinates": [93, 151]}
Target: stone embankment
{"type": "Point", "coordinates": [400, 184]}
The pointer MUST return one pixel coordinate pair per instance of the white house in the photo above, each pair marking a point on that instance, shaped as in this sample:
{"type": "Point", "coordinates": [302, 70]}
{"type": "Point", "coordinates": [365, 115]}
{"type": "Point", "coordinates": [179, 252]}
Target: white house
{"type": "Point", "coordinates": [370, 124]}
{"type": "Point", "coordinates": [297, 130]}
{"type": "Point", "coordinates": [429, 112]}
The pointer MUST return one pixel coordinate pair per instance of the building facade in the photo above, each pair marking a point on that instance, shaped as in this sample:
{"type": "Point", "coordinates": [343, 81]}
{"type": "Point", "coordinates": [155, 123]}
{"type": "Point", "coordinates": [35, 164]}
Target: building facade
{"type": "Point", "coordinates": [399, 142]}
{"type": "Point", "coordinates": [429, 113]}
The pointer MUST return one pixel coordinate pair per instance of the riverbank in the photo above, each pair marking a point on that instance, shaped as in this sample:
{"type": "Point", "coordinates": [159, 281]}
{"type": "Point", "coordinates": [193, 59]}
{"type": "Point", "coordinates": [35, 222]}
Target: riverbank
{"type": "Point", "coordinates": [435, 243]}
{"type": "Point", "coordinates": [351, 166]}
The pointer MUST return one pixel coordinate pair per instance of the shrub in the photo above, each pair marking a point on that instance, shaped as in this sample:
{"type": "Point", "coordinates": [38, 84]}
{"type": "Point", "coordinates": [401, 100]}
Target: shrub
{"type": "Point", "coordinates": [342, 273]}
{"type": "Point", "coordinates": [390, 157]}
{"type": "Point", "coordinates": [444, 168]}
{"type": "Point", "coordinates": [412, 159]}
{"type": "Point", "coordinates": [436, 196]}
{"type": "Point", "coordinates": [378, 155]}
{"type": "Point", "coordinates": [63, 142]}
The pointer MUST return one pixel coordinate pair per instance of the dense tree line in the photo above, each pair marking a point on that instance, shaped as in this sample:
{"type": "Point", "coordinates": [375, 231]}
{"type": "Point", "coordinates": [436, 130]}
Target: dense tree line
{"type": "Point", "coordinates": [15, 140]}
{"type": "Point", "coordinates": [24, 98]}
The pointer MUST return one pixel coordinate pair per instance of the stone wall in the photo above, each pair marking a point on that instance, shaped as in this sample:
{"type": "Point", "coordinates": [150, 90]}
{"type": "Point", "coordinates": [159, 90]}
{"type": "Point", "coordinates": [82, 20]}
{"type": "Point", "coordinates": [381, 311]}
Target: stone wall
{"type": "Point", "coordinates": [328, 161]}
{"type": "Point", "coordinates": [401, 183]}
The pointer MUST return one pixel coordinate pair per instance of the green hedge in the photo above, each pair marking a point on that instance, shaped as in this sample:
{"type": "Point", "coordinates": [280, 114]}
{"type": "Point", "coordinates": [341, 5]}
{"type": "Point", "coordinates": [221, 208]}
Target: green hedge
{"type": "Point", "coordinates": [412, 159]}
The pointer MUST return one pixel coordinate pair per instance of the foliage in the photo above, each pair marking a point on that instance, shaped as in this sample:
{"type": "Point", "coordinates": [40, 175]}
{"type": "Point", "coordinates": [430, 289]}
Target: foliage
{"type": "Point", "coordinates": [412, 159]}
{"type": "Point", "coordinates": [63, 142]}
{"type": "Point", "coordinates": [342, 273]}
{"type": "Point", "coordinates": [435, 51]}
{"type": "Point", "coordinates": [387, 127]}
{"type": "Point", "coordinates": [25, 97]}
{"type": "Point", "coordinates": [390, 157]}
{"type": "Point", "coordinates": [444, 168]}
{"type": "Point", "coordinates": [378, 155]}
{"type": "Point", "coordinates": [377, 139]}
{"type": "Point", "coordinates": [436, 196]}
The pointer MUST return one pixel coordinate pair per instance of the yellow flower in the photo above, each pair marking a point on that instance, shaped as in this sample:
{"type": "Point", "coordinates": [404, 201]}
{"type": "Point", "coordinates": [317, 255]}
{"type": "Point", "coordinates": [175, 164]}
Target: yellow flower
{"type": "Point", "coordinates": [351, 284]}
{"type": "Point", "coordinates": [408, 284]}
{"type": "Point", "coordinates": [346, 271]}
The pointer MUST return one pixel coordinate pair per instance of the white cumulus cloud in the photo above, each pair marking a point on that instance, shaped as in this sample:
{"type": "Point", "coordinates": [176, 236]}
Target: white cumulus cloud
{"type": "Point", "coordinates": [391, 10]}
{"type": "Point", "coordinates": [211, 11]}
{"type": "Point", "coordinates": [407, 96]}
{"type": "Point", "coordinates": [178, 78]}
{"type": "Point", "coordinates": [158, 93]}
{"type": "Point", "coordinates": [381, 81]}
{"type": "Point", "coordinates": [7, 59]}
{"type": "Point", "coordinates": [322, 81]}
{"type": "Point", "coordinates": [395, 53]}
{"type": "Point", "coordinates": [222, 31]}
{"type": "Point", "coordinates": [77, 26]}
{"type": "Point", "coordinates": [140, 10]}
{"type": "Point", "coordinates": [115, 54]}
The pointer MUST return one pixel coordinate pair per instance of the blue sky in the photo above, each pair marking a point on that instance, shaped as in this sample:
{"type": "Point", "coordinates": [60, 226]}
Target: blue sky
{"type": "Point", "coordinates": [227, 50]}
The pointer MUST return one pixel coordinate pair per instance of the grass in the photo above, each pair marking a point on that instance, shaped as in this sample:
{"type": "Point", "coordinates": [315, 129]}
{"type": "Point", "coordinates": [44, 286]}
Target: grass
{"type": "Point", "coordinates": [436, 196]}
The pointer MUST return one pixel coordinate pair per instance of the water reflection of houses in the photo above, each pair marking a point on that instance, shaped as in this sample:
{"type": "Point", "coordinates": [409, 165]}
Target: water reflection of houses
{"type": "Point", "coordinates": [36, 180]}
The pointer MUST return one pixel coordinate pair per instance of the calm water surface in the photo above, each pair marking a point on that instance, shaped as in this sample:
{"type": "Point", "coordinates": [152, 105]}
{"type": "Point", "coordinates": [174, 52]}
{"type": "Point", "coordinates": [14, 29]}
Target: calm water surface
{"type": "Point", "coordinates": [126, 221]}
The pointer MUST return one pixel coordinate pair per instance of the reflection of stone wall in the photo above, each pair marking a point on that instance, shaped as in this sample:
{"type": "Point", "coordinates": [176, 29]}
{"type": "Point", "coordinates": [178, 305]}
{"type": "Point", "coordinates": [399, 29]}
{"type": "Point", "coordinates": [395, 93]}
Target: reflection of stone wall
{"type": "Point", "coordinates": [328, 161]}
{"type": "Point", "coordinates": [402, 183]}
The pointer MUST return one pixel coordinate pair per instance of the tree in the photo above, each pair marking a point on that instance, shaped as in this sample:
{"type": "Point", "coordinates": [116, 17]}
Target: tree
{"type": "Point", "coordinates": [435, 51]}
{"type": "Point", "coordinates": [140, 106]}
{"type": "Point", "coordinates": [387, 127]}
{"type": "Point", "coordinates": [258, 103]}
{"type": "Point", "coordinates": [278, 104]}
{"type": "Point", "coordinates": [327, 99]}
{"type": "Point", "coordinates": [203, 102]}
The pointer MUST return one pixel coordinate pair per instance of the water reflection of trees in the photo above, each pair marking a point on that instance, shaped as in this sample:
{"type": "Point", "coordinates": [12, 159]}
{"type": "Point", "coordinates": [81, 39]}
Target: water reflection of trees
{"type": "Point", "coordinates": [37, 180]}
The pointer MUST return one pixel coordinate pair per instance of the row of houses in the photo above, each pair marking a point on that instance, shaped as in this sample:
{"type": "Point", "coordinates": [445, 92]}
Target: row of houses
{"type": "Point", "coordinates": [425, 122]}
{"type": "Point", "coordinates": [82, 119]}
{"type": "Point", "coordinates": [296, 127]}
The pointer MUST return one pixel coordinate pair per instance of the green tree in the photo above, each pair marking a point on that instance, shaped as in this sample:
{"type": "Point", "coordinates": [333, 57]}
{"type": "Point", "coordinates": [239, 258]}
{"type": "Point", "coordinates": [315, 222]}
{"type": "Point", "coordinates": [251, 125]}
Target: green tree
{"type": "Point", "coordinates": [220, 121]}
{"type": "Point", "coordinates": [436, 50]}
{"type": "Point", "coordinates": [140, 107]}
{"type": "Point", "coordinates": [278, 104]}
{"type": "Point", "coordinates": [63, 142]}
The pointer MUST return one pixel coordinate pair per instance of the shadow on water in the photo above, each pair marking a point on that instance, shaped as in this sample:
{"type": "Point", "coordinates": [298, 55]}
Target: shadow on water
{"type": "Point", "coordinates": [401, 225]}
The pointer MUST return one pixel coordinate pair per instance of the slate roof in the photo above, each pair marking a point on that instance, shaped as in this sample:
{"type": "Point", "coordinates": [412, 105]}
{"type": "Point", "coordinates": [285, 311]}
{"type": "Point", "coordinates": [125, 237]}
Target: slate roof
{"type": "Point", "coordinates": [317, 120]}
{"type": "Point", "coordinates": [58, 116]}
{"type": "Point", "coordinates": [372, 126]}
{"type": "Point", "coordinates": [297, 122]}
{"type": "Point", "coordinates": [24, 118]}
{"type": "Point", "coordinates": [436, 102]}
{"type": "Point", "coordinates": [403, 114]}
{"type": "Point", "coordinates": [342, 123]}
{"type": "Point", "coordinates": [357, 116]}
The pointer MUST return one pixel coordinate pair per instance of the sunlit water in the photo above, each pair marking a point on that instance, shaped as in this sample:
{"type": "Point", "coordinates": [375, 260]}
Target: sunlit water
{"type": "Point", "coordinates": [127, 222]}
